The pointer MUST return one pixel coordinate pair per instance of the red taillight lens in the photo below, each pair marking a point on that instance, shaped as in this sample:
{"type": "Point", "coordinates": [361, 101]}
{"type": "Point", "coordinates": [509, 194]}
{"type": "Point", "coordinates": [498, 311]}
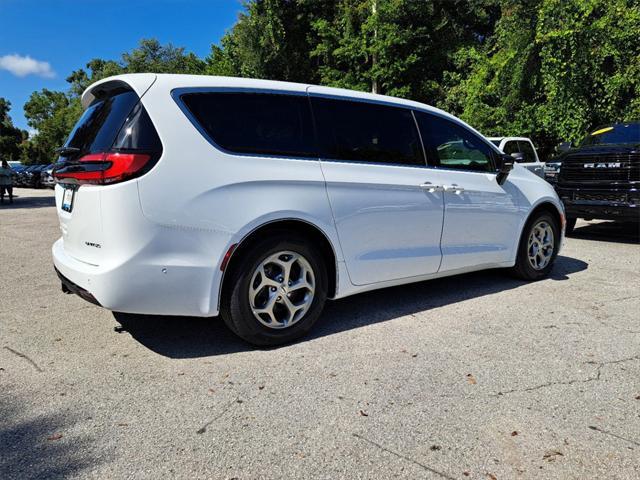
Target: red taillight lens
{"type": "Point", "coordinates": [103, 168]}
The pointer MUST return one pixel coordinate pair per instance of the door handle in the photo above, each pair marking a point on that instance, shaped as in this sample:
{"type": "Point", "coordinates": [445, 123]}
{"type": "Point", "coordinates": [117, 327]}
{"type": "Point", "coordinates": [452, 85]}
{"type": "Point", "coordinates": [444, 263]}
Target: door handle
{"type": "Point", "coordinates": [431, 188]}
{"type": "Point", "coordinates": [453, 188]}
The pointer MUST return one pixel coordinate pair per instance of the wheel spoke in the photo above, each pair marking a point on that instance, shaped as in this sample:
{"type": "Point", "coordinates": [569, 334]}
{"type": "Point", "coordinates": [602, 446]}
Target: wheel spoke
{"type": "Point", "coordinates": [293, 309]}
{"type": "Point", "coordinates": [268, 308]}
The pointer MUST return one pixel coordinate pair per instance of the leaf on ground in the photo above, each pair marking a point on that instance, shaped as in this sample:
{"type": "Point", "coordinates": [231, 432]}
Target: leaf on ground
{"type": "Point", "coordinates": [514, 433]}
{"type": "Point", "coordinates": [491, 476]}
{"type": "Point", "coordinates": [363, 413]}
{"type": "Point", "coordinates": [471, 379]}
{"type": "Point", "coordinates": [55, 436]}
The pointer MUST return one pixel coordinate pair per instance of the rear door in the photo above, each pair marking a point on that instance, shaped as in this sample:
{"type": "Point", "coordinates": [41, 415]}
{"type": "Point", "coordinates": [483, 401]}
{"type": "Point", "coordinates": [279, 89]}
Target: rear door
{"type": "Point", "coordinates": [386, 203]}
{"type": "Point", "coordinates": [115, 120]}
{"type": "Point", "coordinates": [481, 217]}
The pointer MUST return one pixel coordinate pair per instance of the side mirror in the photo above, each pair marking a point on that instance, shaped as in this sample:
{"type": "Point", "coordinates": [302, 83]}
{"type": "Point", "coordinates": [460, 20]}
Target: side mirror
{"type": "Point", "coordinates": [505, 165]}
{"type": "Point", "coordinates": [564, 147]}
{"type": "Point", "coordinates": [518, 156]}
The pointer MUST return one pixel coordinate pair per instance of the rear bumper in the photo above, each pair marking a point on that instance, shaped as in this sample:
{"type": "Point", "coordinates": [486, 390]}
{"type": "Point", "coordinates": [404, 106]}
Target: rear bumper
{"type": "Point", "coordinates": [69, 287]}
{"type": "Point", "coordinates": [152, 282]}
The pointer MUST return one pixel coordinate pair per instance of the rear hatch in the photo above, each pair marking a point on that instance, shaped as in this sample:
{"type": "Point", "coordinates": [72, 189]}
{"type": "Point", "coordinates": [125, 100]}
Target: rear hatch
{"type": "Point", "coordinates": [113, 143]}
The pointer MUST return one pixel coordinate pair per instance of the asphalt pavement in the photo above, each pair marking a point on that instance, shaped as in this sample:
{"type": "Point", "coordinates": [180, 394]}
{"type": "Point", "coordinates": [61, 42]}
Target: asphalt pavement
{"type": "Point", "coordinates": [472, 377]}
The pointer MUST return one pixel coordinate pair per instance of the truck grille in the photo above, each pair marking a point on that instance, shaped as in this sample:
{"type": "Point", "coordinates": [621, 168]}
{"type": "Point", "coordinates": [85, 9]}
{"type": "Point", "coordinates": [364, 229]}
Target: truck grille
{"type": "Point", "coordinates": [603, 168]}
{"type": "Point", "coordinates": [601, 197]}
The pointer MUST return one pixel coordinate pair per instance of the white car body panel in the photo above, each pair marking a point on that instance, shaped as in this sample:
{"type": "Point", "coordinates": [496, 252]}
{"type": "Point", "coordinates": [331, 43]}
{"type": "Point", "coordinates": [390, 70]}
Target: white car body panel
{"type": "Point", "coordinates": [162, 237]}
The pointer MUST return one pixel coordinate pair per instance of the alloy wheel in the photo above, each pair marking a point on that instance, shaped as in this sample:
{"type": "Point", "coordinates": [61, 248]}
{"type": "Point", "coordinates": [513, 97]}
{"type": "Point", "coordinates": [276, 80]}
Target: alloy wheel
{"type": "Point", "coordinates": [281, 289]}
{"type": "Point", "coordinates": [541, 245]}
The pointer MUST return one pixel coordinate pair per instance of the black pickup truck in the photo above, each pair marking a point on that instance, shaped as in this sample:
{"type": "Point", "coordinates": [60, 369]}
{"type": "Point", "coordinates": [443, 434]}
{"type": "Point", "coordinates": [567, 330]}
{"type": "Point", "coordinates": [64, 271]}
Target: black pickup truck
{"type": "Point", "coordinates": [601, 177]}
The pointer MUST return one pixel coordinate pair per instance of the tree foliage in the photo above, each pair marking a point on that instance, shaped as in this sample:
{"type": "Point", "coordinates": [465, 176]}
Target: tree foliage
{"type": "Point", "coordinates": [10, 137]}
{"type": "Point", "coordinates": [549, 69]}
{"type": "Point", "coordinates": [553, 70]}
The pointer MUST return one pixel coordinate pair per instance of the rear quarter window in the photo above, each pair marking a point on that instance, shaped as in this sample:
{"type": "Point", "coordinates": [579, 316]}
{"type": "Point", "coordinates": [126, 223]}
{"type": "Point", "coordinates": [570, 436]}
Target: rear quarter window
{"type": "Point", "coordinates": [255, 123]}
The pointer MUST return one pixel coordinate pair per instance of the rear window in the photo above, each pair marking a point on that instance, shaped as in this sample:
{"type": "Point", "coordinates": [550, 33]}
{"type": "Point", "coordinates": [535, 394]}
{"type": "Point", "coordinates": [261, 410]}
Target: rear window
{"type": "Point", "coordinates": [367, 132]}
{"type": "Point", "coordinates": [101, 122]}
{"type": "Point", "coordinates": [255, 123]}
{"type": "Point", "coordinates": [116, 122]}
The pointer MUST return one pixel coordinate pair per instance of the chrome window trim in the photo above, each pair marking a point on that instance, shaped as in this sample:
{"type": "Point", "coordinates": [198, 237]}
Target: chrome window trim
{"type": "Point", "coordinates": [177, 93]}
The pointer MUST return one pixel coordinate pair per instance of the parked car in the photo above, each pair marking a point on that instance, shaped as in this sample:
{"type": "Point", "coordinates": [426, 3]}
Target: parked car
{"type": "Point", "coordinates": [197, 195]}
{"type": "Point", "coordinates": [47, 179]}
{"type": "Point", "coordinates": [25, 177]}
{"type": "Point", "coordinates": [33, 176]}
{"type": "Point", "coordinates": [522, 150]}
{"type": "Point", "coordinates": [600, 178]}
{"type": "Point", "coordinates": [17, 169]}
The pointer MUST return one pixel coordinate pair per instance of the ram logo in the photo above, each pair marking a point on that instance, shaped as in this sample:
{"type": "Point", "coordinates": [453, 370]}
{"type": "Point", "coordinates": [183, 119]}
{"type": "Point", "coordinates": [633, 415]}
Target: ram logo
{"type": "Point", "coordinates": [603, 165]}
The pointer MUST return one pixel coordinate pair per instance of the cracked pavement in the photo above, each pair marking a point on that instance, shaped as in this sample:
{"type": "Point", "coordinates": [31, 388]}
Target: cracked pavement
{"type": "Point", "coordinates": [478, 376]}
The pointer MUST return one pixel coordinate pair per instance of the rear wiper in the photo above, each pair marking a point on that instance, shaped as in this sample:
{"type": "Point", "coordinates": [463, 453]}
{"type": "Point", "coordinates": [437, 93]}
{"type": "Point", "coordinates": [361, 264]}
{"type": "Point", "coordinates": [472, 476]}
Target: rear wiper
{"type": "Point", "coordinates": [64, 151]}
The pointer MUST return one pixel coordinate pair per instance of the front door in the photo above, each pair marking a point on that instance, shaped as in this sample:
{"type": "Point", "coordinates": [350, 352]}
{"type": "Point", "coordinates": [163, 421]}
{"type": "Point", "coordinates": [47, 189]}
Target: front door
{"type": "Point", "coordinates": [386, 203]}
{"type": "Point", "coordinates": [481, 217]}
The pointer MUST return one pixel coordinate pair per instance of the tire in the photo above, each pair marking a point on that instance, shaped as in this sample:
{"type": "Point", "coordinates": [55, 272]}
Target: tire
{"type": "Point", "coordinates": [571, 224]}
{"type": "Point", "coordinates": [524, 268]}
{"type": "Point", "coordinates": [277, 324]}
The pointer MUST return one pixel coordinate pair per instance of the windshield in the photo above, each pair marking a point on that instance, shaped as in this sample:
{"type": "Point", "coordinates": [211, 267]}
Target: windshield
{"type": "Point", "coordinates": [621, 133]}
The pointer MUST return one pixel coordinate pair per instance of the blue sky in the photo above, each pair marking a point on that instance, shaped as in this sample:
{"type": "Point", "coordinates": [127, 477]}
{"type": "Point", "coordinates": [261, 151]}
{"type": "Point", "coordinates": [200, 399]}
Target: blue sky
{"type": "Point", "coordinates": [68, 33]}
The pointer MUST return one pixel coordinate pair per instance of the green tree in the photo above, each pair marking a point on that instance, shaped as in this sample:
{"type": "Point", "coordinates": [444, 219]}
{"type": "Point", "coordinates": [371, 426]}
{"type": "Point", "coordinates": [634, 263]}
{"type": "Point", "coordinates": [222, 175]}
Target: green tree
{"type": "Point", "coordinates": [272, 40]}
{"type": "Point", "coordinates": [398, 47]}
{"type": "Point", "coordinates": [52, 115]}
{"type": "Point", "coordinates": [10, 137]}
{"type": "Point", "coordinates": [553, 70]}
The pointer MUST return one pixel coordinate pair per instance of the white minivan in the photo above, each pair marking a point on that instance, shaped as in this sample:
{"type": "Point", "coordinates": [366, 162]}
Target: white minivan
{"type": "Point", "coordinates": [259, 200]}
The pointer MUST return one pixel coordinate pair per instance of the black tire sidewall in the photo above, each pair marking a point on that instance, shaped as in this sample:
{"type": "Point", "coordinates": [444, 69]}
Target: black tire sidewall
{"type": "Point", "coordinates": [237, 310]}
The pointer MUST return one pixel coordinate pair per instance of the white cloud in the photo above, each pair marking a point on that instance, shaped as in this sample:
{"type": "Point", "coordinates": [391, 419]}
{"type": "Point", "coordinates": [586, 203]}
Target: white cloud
{"type": "Point", "coordinates": [22, 66]}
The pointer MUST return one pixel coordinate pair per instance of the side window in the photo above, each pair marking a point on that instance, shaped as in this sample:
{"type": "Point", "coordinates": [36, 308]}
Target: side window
{"type": "Point", "coordinates": [255, 123]}
{"type": "Point", "coordinates": [511, 147]}
{"type": "Point", "coordinates": [527, 149]}
{"type": "Point", "coordinates": [349, 130]}
{"type": "Point", "coordinates": [452, 146]}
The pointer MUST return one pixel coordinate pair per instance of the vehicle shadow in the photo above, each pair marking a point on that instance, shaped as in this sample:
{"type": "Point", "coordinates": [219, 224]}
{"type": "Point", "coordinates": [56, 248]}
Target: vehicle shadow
{"type": "Point", "coordinates": [21, 201]}
{"type": "Point", "coordinates": [35, 445]}
{"type": "Point", "coordinates": [190, 337]}
{"type": "Point", "coordinates": [616, 232]}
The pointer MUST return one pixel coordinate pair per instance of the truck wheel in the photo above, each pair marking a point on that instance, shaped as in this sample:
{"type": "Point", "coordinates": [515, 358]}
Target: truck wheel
{"type": "Point", "coordinates": [276, 292]}
{"type": "Point", "coordinates": [570, 225]}
{"type": "Point", "coordinates": [538, 247]}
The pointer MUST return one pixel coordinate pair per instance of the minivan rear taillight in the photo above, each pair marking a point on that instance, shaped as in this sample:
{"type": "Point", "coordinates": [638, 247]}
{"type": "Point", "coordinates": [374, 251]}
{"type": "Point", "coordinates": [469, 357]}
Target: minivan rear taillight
{"type": "Point", "coordinates": [103, 168]}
